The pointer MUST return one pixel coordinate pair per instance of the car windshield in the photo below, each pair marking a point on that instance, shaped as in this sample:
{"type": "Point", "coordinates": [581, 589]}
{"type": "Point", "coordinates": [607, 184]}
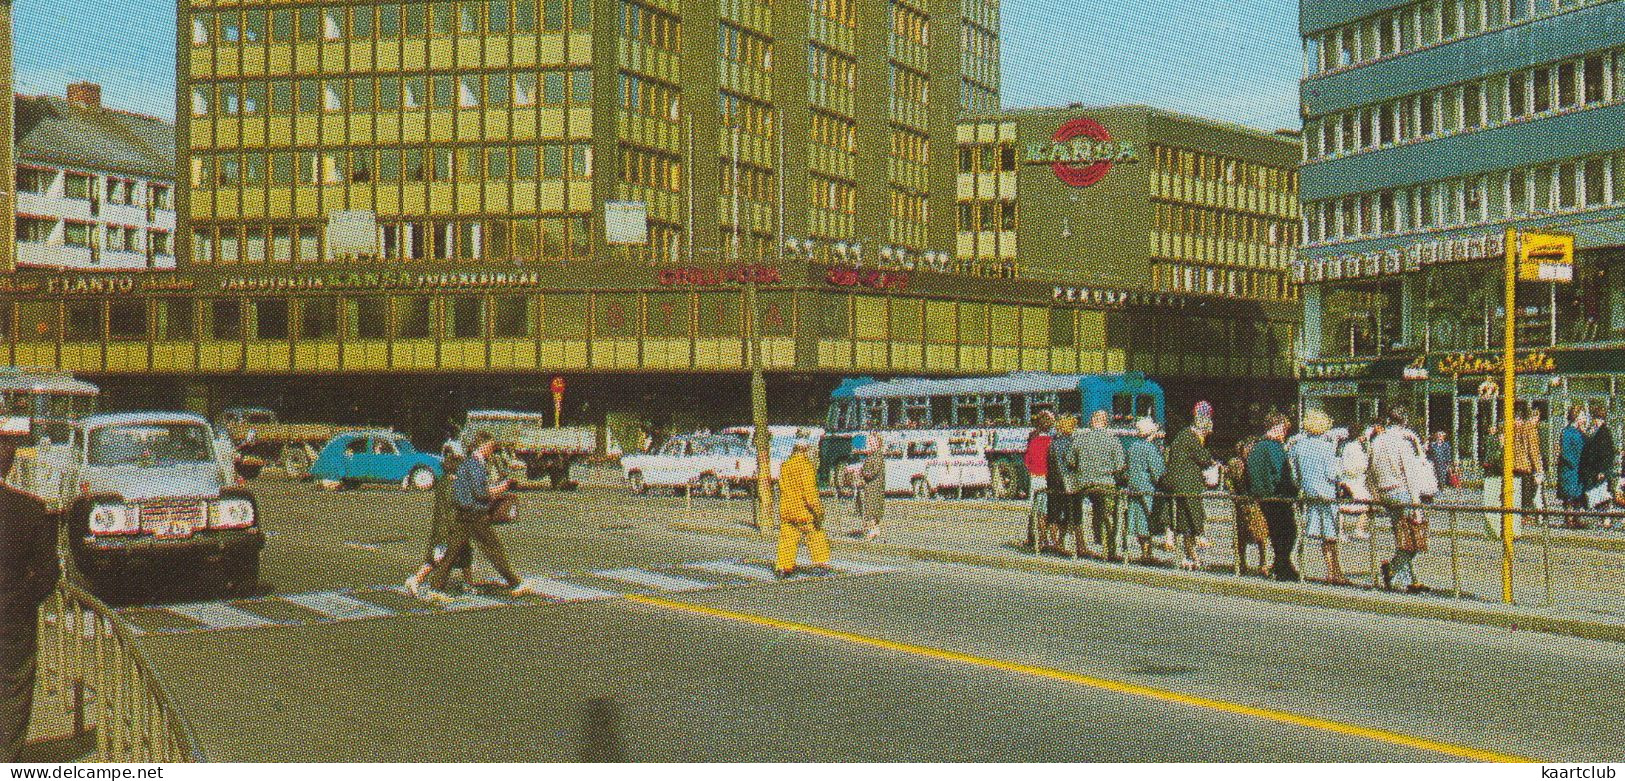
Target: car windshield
{"type": "Point", "coordinates": [149, 445]}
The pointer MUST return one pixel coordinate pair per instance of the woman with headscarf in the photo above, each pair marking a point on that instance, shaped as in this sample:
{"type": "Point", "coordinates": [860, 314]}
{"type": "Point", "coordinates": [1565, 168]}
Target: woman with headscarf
{"type": "Point", "coordinates": [1188, 459]}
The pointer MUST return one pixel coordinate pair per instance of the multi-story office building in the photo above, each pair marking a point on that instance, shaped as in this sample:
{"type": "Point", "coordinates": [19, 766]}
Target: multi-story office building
{"type": "Point", "coordinates": [95, 186]}
{"type": "Point", "coordinates": [498, 130]}
{"type": "Point", "coordinates": [1431, 129]}
{"type": "Point", "coordinates": [1185, 227]}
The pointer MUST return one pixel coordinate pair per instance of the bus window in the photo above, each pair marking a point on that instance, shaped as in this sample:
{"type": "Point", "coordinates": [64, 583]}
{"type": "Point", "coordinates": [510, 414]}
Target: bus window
{"type": "Point", "coordinates": [1122, 407]}
{"type": "Point", "coordinates": [996, 410]}
{"type": "Point", "coordinates": [894, 412]}
{"type": "Point", "coordinates": [873, 414]}
{"type": "Point", "coordinates": [1145, 406]}
{"type": "Point", "coordinates": [942, 410]}
{"type": "Point", "coordinates": [1071, 403]}
{"type": "Point", "coordinates": [968, 411]}
{"type": "Point", "coordinates": [916, 412]}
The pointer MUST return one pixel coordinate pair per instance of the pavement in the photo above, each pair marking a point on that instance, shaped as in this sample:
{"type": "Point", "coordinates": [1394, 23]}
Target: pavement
{"type": "Point", "coordinates": [684, 656]}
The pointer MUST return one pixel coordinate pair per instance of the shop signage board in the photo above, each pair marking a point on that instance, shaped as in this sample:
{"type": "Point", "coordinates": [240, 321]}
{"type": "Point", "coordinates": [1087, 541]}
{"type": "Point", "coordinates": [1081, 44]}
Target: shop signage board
{"type": "Point", "coordinates": [1081, 152]}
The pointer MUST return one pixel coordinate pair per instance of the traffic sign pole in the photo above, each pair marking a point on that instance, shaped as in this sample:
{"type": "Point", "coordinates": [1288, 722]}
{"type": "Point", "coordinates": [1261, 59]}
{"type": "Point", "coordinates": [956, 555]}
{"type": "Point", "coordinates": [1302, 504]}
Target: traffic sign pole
{"type": "Point", "coordinates": [1509, 375]}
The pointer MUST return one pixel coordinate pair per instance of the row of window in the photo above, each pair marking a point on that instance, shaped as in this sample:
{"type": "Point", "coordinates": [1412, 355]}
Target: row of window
{"type": "Point", "coordinates": [1219, 168]}
{"type": "Point", "coordinates": [651, 26]}
{"type": "Point", "coordinates": [651, 168]}
{"type": "Point", "coordinates": [842, 12]}
{"type": "Point", "coordinates": [1218, 223]}
{"type": "Point", "coordinates": [910, 145]}
{"type": "Point", "coordinates": [488, 239]}
{"type": "Point", "coordinates": [987, 158]}
{"type": "Point", "coordinates": [1233, 282]}
{"type": "Point", "coordinates": [1420, 25]}
{"type": "Point", "coordinates": [907, 205]}
{"type": "Point", "coordinates": [73, 233]}
{"type": "Point", "coordinates": [651, 98]}
{"type": "Point", "coordinates": [389, 21]}
{"type": "Point", "coordinates": [366, 94]}
{"type": "Point", "coordinates": [909, 24]}
{"type": "Point", "coordinates": [834, 131]}
{"type": "Point", "coordinates": [832, 194]}
{"type": "Point", "coordinates": [746, 113]}
{"type": "Point", "coordinates": [746, 47]}
{"type": "Point", "coordinates": [1531, 191]}
{"type": "Point", "coordinates": [393, 165]}
{"type": "Point", "coordinates": [756, 183]}
{"type": "Point", "coordinates": [975, 98]}
{"type": "Point", "coordinates": [910, 85]}
{"type": "Point", "coordinates": [831, 66]}
{"type": "Point", "coordinates": [84, 187]}
{"type": "Point", "coordinates": [1564, 86]}
{"type": "Point", "coordinates": [987, 216]}
{"type": "Point", "coordinates": [378, 317]}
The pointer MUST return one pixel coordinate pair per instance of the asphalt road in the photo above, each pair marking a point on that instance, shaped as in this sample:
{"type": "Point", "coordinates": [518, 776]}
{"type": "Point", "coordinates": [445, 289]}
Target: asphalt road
{"type": "Point", "coordinates": [920, 662]}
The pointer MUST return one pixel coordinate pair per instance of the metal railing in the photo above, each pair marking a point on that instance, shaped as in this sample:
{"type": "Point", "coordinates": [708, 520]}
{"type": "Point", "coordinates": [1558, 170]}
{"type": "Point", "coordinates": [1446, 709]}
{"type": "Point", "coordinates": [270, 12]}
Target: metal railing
{"type": "Point", "coordinates": [1475, 557]}
{"type": "Point", "coordinates": [88, 656]}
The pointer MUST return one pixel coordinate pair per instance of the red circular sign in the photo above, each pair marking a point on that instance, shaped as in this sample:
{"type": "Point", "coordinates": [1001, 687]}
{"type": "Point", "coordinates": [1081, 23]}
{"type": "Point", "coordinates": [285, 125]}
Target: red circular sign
{"type": "Point", "coordinates": [558, 385]}
{"type": "Point", "coordinates": [1081, 175]}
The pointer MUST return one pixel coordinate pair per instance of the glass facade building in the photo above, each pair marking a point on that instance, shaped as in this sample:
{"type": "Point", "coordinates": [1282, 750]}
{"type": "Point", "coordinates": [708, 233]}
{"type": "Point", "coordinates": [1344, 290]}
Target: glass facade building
{"type": "Point", "coordinates": [1431, 128]}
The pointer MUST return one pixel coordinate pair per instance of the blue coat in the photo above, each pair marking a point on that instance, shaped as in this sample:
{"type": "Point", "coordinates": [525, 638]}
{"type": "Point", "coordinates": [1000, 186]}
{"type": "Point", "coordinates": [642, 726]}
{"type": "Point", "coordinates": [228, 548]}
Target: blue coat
{"type": "Point", "coordinates": [1568, 466]}
{"type": "Point", "coordinates": [1145, 465]}
{"type": "Point", "coordinates": [1314, 461]}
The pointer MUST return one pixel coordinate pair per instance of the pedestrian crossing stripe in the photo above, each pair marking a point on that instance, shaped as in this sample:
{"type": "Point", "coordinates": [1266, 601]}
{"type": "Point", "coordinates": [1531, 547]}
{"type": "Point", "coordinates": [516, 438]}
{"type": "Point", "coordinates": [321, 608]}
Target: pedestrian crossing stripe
{"type": "Point", "coordinates": [339, 607]}
{"type": "Point", "coordinates": [324, 607]}
{"type": "Point", "coordinates": [563, 591]}
{"type": "Point", "coordinates": [653, 579]}
{"type": "Point", "coordinates": [218, 615]}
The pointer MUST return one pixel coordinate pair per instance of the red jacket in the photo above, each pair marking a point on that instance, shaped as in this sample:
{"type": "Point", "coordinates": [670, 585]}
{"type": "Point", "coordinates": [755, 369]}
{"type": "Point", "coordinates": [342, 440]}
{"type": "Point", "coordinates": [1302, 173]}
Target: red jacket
{"type": "Point", "coordinates": [1037, 456]}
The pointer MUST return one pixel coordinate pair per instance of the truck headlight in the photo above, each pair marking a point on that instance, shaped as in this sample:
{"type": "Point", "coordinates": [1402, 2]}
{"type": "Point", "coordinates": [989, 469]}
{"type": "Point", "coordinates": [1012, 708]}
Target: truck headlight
{"type": "Point", "coordinates": [112, 518]}
{"type": "Point", "coordinates": [233, 514]}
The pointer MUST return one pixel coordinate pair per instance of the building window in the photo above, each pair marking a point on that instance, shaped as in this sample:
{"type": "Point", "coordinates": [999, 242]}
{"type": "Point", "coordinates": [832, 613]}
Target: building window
{"type": "Point", "coordinates": [270, 319]}
{"type": "Point", "coordinates": [35, 180]}
{"type": "Point", "coordinates": [412, 317]}
{"type": "Point", "coordinates": [225, 320]}
{"type": "Point", "coordinates": [35, 230]}
{"type": "Point", "coordinates": [127, 319]}
{"type": "Point", "coordinates": [467, 317]}
{"type": "Point", "coordinates": [370, 318]}
{"type": "Point", "coordinates": [510, 317]}
{"type": "Point", "coordinates": [318, 318]}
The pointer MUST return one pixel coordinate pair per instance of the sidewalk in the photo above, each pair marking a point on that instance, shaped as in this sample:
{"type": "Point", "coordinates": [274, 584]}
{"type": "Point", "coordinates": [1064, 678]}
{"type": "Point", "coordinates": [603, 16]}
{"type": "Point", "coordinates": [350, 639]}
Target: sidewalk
{"type": "Point", "coordinates": [1585, 584]}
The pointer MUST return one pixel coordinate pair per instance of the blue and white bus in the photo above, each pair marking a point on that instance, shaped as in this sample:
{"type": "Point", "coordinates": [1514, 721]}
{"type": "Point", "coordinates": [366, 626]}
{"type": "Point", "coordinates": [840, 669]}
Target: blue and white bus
{"type": "Point", "coordinates": [996, 410]}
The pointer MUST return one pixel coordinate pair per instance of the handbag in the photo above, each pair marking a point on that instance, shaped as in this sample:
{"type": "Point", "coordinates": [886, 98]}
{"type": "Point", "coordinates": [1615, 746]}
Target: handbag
{"type": "Point", "coordinates": [1454, 477]}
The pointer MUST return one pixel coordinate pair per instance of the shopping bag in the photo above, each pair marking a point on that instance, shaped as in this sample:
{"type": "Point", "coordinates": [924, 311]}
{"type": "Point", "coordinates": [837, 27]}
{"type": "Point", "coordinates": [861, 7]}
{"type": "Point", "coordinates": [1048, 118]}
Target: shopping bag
{"type": "Point", "coordinates": [1598, 496]}
{"type": "Point", "coordinates": [1210, 475]}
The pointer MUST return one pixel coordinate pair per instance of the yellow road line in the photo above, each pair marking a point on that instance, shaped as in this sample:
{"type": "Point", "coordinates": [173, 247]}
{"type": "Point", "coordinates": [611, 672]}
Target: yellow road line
{"type": "Point", "coordinates": [1120, 687]}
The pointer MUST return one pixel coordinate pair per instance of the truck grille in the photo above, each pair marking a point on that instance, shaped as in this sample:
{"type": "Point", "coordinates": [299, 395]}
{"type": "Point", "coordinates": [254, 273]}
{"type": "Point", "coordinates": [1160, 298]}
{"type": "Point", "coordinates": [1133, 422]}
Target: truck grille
{"type": "Point", "coordinates": [186, 515]}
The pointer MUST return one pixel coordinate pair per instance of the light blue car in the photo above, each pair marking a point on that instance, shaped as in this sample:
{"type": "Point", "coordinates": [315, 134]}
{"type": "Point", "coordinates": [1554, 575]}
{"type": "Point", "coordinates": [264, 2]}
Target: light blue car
{"type": "Point", "coordinates": [357, 457]}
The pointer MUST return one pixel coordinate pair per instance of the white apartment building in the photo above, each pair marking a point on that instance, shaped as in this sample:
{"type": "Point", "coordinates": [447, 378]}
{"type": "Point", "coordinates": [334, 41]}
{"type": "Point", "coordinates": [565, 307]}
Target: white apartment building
{"type": "Point", "coordinates": [95, 186]}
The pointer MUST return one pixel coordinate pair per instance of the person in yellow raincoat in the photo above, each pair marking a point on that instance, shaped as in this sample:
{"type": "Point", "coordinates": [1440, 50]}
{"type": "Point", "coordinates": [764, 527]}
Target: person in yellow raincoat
{"type": "Point", "coordinates": [801, 514]}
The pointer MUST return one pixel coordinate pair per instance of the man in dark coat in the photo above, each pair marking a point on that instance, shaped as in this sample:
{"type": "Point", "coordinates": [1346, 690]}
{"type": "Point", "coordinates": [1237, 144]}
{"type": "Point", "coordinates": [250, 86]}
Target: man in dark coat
{"type": "Point", "coordinates": [1271, 484]}
{"type": "Point", "coordinates": [28, 571]}
{"type": "Point", "coordinates": [1188, 458]}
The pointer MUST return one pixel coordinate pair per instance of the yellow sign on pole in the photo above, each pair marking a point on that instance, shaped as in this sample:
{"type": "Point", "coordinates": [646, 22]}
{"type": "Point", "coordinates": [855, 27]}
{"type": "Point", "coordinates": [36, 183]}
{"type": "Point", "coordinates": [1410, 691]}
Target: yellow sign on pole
{"type": "Point", "coordinates": [1545, 257]}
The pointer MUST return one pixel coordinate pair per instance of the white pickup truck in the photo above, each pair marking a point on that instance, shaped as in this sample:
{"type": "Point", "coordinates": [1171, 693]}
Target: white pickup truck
{"type": "Point", "coordinates": [530, 449]}
{"type": "Point", "coordinates": [146, 497]}
{"type": "Point", "coordinates": [926, 464]}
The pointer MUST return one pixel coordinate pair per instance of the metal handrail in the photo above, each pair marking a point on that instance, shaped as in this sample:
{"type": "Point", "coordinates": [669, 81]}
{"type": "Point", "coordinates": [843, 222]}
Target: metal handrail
{"type": "Point", "coordinates": [91, 655]}
{"type": "Point", "coordinates": [1118, 541]}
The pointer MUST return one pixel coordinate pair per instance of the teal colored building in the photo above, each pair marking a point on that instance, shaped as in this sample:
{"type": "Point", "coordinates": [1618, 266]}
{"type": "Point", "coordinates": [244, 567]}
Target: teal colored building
{"type": "Point", "coordinates": [1432, 128]}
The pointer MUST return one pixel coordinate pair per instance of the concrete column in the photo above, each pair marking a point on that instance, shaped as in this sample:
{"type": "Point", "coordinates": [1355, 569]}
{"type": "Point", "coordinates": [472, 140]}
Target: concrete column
{"type": "Point", "coordinates": [1309, 346]}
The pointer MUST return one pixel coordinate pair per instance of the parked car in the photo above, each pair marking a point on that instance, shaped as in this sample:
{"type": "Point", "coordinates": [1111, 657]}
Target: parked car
{"type": "Point", "coordinates": [924, 464]}
{"type": "Point", "coordinates": [146, 495]}
{"type": "Point", "coordinates": [356, 457]}
{"type": "Point", "coordinates": [782, 439]}
{"type": "Point", "coordinates": [702, 461]}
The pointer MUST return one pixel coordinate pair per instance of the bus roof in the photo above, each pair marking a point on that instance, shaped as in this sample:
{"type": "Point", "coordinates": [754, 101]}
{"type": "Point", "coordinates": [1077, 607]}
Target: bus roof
{"type": "Point", "coordinates": [44, 381]}
{"type": "Point", "coordinates": [1018, 382]}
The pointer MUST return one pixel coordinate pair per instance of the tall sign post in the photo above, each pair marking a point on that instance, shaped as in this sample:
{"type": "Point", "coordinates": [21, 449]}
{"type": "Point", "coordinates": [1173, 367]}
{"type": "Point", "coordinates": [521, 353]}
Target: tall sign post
{"type": "Point", "coordinates": [558, 402]}
{"type": "Point", "coordinates": [1530, 257]}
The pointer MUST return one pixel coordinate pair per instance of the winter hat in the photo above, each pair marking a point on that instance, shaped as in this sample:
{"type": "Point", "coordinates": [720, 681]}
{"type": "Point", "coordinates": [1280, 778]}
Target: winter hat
{"type": "Point", "coordinates": [1202, 417]}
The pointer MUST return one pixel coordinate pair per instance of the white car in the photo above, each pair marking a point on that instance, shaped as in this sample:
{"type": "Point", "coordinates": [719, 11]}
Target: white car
{"type": "Point", "coordinates": [782, 441]}
{"type": "Point", "coordinates": [929, 464]}
{"type": "Point", "coordinates": [700, 462]}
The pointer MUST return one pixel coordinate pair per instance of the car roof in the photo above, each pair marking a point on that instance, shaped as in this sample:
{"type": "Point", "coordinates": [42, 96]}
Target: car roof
{"type": "Point", "coordinates": [44, 381]}
{"type": "Point", "coordinates": [141, 419]}
{"type": "Point", "coordinates": [368, 433]}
